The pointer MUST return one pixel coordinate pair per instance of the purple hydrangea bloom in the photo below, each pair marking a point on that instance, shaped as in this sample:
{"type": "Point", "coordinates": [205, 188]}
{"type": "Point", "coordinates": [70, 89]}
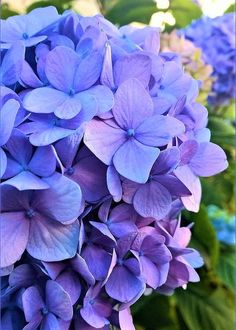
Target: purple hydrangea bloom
{"type": "Point", "coordinates": [102, 146]}
{"type": "Point", "coordinates": [216, 38]}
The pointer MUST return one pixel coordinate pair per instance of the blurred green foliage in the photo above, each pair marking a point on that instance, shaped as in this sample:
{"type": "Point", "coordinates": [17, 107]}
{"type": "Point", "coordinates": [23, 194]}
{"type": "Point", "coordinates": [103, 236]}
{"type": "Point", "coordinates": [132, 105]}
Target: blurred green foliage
{"type": "Point", "coordinates": [208, 305]}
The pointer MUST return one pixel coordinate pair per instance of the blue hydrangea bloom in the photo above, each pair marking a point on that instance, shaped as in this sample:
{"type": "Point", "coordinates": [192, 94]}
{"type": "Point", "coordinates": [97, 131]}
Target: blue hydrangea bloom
{"type": "Point", "coordinates": [102, 144]}
{"type": "Point", "coordinates": [216, 38]}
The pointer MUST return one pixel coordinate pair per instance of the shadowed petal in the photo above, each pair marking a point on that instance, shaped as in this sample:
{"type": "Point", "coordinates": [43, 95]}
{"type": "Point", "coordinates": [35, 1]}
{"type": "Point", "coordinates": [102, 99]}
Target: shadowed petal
{"type": "Point", "coordinates": [32, 303]}
{"type": "Point", "coordinates": [14, 229]}
{"type": "Point", "coordinates": [7, 118]}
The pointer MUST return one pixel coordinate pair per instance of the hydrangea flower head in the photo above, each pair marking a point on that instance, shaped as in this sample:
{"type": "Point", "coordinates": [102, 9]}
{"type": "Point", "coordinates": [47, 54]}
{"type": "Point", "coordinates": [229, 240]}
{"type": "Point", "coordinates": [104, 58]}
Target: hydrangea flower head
{"type": "Point", "coordinates": [216, 38]}
{"type": "Point", "coordinates": [102, 144]}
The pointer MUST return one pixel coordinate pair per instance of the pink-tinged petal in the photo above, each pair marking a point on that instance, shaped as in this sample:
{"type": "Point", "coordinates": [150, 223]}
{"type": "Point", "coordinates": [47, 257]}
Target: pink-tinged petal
{"type": "Point", "coordinates": [50, 322]}
{"type": "Point", "coordinates": [70, 282]}
{"type": "Point", "coordinates": [51, 241]}
{"type": "Point", "coordinates": [104, 98]}
{"type": "Point", "coordinates": [69, 108]}
{"type": "Point", "coordinates": [3, 162]}
{"type": "Point", "coordinates": [136, 66]}
{"type": "Point", "coordinates": [192, 182]}
{"type": "Point", "coordinates": [43, 137]}
{"type": "Point", "coordinates": [107, 71]}
{"type": "Point", "coordinates": [61, 65]}
{"type": "Point", "coordinates": [159, 130]}
{"type": "Point", "coordinates": [34, 323]}
{"type": "Point", "coordinates": [209, 160]}
{"type": "Point", "coordinates": [14, 229]}
{"type": "Point", "coordinates": [152, 200]}
{"type": "Point", "coordinates": [53, 202]}
{"type": "Point", "coordinates": [7, 118]}
{"type": "Point", "coordinates": [114, 183]}
{"type": "Point", "coordinates": [43, 162]}
{"type": "Point", "coordinates": [132, 104]}
{"type": "Point", "coordinates": [88, 71]}
{"type": "Point", "coordinates": [58, 301]}
{"type": "Point", "coordinates": [167, 161]}
{"type": "Point", "coordinates": [96, 139]}
{"type": "Point", "coordinates": [129, 190]}
{"type": "Point", "coordinates": [26, 180]}
{"type": "Point", "coordinates": [122, 285]}
{"type": "Point", "coordinates": [32, 303]}
{"type": "Point", "coordinates": [134, 161]}
{"type": "Point", "coordinates": [126, 320]}
{"type": "Point", "coordinates": [44, 100]}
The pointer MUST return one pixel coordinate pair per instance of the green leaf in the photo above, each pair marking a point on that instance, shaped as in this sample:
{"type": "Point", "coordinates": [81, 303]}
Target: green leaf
{"type": "Point", "coordinates": [204, 309]}
{"type": "Point", "coordinates": [125, 12]}
{"type": "Point", "coordinates": [222, 131]}
{"type": "Point", "coordinates": [231, 9]}
{"type": "Point", "coordinates": [6, 11]}
{"type": "Point", "coordinates": [184, 12]}
{"type": "Point", "coordinates": [155, 312]}
{"type": "Point", "coordinates": [226, 268]}
{"type": "Point", "coordinates": [61, 5]}
{"type": "Point", "coordinates": [204, 237]}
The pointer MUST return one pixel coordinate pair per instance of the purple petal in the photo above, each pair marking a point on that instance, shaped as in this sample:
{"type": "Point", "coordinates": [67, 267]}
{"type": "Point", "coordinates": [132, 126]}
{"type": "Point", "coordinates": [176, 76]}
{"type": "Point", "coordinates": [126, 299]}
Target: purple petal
{"type": "Point", "coordinates": [120, 221]}
{"type": "Point", "coordinates": [12, 64]}
{"type": "Point", "coordinates": [90, 174]}
{"type": "Point", "coordinates": [61, 65]}
{"type": "Point", "coordinates": [167, 161]}
{"type": "Point", "coordinates": [54, 201]}
{"type": "Point", "coordinates": [155, 276]}
{"type": "Point", "coordinates": [43, 162]}
{"type": "Point", "coordinates": [104, 98]}
{"type": "Point", "coordinates": [50, 322]}
{"type": "Point", "coordinates": [134, 161]}
{"type": "Point", "coordinates": [26, 180]}
{"type": "Point", "coordinates": [8, 114]}
{"type": "Point", "coordinates": [69, 108]}
{"type": "Point", "coordinates": [80, 266]}
{"type": "Point", "coordinates": [3, 162]}
{"type": "Point", "coordinates": [14, 229]}
{"type": "Point", "coordinates": [99, 268]}
{"type": "Point", "coordinates": [209, 160]}
{"type": "Point", "coordinates": [58, 301]}
{"type": "Point", "coordinates": [28, 78]}
{"type": "Point", "coordinates": [88, 71]}
{"type": "Point", "coordinates": [22, 276]}
{"type": "Point", "coordinates": [126, 320]}
{"type": "Point", "coordinates": [95, 138]}
{"type": "Point", "coordinates": [46, 136]}
{"type": "Point", "coordinates": [114, 183]}
{"type": "Point", "coordinates": [192, 182]}
{"type": "Point", "coordinates": [173, 185]}
{"type": "Point", "coordinates": [70, 282]}
{"type": "Point", "coordinates": [122, 285]}
{"type": "Point", "coordinates": [44, 100]}
{"type": "Point", "coordinates": [102, 227]}
{"type": "Point", "coordinates": [51, 241]}
{"type": "Point", "coordinates": [19, 147]}
{"type": "Point", "coordinates": [152, 200]}
{"type": "Point", "coordinates": [107, 71]}
{"type": "Point", "coordinates": [132, 104]}
{"type": "Point", "coordinates": [133, 66]}
{"type": "Point", "coordinates": [13, 199]}
{"type": "Point", "coordinates": [159, 130]}
{"type": "Point", "coordinates": [187, 150]}
{"type": "Point", "coordinates": [32, 303]}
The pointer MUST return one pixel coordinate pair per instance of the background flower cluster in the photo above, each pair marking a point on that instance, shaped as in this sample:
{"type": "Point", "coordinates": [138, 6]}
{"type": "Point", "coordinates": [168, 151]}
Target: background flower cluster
{"type": "Point", "coordinates": [102, 146]}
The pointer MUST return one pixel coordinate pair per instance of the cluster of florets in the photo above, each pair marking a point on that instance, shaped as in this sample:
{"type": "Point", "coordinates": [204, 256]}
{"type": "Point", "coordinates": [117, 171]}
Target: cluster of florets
{"type": "Point", "coordinates": [102, 145]}
{"type": "Point", "coordinates": [192, 60]}
{"type": "Point", "coordinates": [216, 38]}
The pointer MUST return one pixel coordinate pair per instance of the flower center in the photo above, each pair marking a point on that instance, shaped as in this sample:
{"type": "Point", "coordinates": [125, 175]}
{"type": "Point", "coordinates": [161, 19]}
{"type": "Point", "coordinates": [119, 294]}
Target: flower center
{"type": "Point", "coordinates": [71, 92]}
{"type": "Point", "coordinates": [70, 171]}
{"type": "Point", "coordinates": [25, 36]}
{"type": "Point", "coordinates": [120, 261]}
{"type": "Point", "coordinates": [30, 213]}
{"type": "Point", "coordinates": [44, 310]}
{"type": "Point", "coordinates": [130, 132]}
